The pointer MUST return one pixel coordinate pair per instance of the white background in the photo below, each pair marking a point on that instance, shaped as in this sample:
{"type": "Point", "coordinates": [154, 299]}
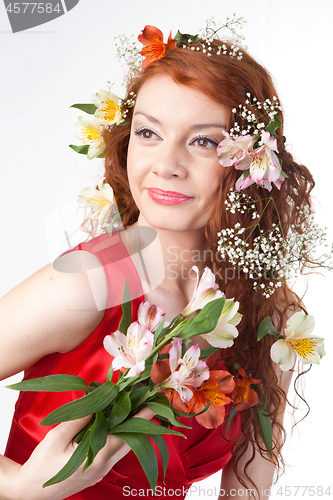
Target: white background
{"type": "Point", "coordinates": [46, 69]}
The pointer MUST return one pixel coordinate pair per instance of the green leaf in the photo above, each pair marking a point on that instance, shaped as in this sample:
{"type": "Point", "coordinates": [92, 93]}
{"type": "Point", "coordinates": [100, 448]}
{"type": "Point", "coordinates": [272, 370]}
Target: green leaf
{"type": "Point", "coordinates": [183, 38]}
{"type": "Point", "coordinates": [55, 383]}
{"type": "Point", "coordinates": [87, 108]}
{"type": "Point", "coordinates": [90, 459]}
{"type": "Point", "coordinates": [266, 327]}
{"type": "Point", "coordinates": [232, 413]}
{"type": "Point", "coordinates": [284, 174]}
{"type": "Point", "coordinates": [183, 414]}
{"type": "Point", "coordinates": [73, 463]}
{"type": "Point", "coordinates": [273, 125]}
{"type": "Point", "coordinates": [97, 400]}
{"type": "Point", "coordinates": [126, 308]}
{"type": "Point", "coordinates": [265, 427]}
{"type": "Point", "coordinates": [163, 449]}
{"type": "Point", "coordinates": [121, 408]}
{"type": "Point", "coordinates": [114, 219]}
{"type": "Point", "coordinates": [110, 375]}
{"type": "Point", "coordinates": [80, 149]}
{"type": "Point", "coordinates": [203, 322]}
{"type": "Point", "coordinates": [142, 426]}
{"type": "Point", "coordinates": [138, 394]}
{"type": "Point", "coordinates": [166, 412]}
{"type": "Point", "coordinates": [145, 453]}
{"type": "Point", "coordinates": [159, 329]}
{"type": "Point", "coordinates": [205, 353]}
{"type": "Point", "coordinates": [98, 433]}
{"type": "Point", "coordinates": [246, 173]}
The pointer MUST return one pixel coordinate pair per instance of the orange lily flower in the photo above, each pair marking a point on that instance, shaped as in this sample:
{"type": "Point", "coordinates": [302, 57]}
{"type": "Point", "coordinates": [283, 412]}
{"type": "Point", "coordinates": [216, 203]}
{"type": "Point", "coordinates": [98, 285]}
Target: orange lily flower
{"type": "Point", "coordinates": [243, 395]}
{"type": "Point", "coordinates": [154, 48]}
{"type": "Point", "coordinates": [212, 391]}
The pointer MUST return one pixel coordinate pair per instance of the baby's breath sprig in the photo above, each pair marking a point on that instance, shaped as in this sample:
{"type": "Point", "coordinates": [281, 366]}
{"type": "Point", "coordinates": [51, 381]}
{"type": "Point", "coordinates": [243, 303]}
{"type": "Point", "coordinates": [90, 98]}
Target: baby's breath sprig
{"type": "Point", "coordinates": [273, 257]}
{"type": "Point", "coordinates": [126, 104]}
{"type": "Point", "coordinates": [205, 40]}
{"type": "Point", "coordinates": [224, 32]}
{"type": "Point", "coordinates": [127, 48]}
{"type": "Point", "coordinates": [250, 117]}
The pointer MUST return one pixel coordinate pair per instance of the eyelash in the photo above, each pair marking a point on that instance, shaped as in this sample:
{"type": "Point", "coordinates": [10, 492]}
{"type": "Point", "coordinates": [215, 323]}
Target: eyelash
{"type": "Point", "coordinates": [214, 143]}
{"type": "Point", "coordinates": [139, 132]}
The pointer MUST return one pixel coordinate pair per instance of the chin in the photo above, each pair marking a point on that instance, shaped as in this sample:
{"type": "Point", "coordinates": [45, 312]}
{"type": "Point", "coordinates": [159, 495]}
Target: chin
{"type": "Point", "coordinates": [171, 223]}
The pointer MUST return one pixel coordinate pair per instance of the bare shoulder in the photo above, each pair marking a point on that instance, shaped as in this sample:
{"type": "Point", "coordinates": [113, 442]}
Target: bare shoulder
{"type": "Point", "coordinates": [51, 311]}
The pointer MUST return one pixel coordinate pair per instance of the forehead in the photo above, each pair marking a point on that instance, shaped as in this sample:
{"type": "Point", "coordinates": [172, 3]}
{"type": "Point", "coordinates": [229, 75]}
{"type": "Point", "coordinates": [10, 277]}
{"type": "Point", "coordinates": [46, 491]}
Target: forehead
{"type": "Point", "coordinates": [163, 96]}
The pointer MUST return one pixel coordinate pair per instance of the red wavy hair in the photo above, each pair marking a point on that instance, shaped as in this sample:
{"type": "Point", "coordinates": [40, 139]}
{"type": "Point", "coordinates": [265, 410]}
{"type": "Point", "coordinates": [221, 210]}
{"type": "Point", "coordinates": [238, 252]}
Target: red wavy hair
{"type": "Point", "coordinates": [227, 80]}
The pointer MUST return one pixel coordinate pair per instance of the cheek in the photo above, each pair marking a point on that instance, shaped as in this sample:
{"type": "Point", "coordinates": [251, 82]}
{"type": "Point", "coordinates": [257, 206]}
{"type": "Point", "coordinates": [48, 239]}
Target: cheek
{"type": "Point", "coordinates": [132, 166]}
{"type": "Point", "coordinates": [211, 183]}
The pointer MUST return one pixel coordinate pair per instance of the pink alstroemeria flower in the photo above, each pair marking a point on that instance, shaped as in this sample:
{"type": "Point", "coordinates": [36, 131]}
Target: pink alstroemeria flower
{"type": "Point", "coordinates": [231, 151]}
{"type": "Point", "coordinates": [150, 315]}
{"type": "Point", "coordinates": [131, 350]}
{"type": "Point", "coordinates": [185, 372]}
{"type": "Point", "coordinates": [205, 291]}
{"type": "Point", "coordinates": [263, 163]}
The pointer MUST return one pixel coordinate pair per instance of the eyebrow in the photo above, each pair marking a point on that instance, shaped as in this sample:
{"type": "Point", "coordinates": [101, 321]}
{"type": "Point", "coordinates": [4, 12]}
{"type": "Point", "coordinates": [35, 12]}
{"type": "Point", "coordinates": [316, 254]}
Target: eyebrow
{"type": "Point", "coordinates": [197, 126]}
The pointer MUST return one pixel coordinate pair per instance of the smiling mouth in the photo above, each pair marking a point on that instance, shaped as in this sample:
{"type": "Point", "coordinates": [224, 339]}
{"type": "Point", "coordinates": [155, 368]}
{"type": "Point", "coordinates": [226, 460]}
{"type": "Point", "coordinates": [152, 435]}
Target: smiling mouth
{"type": "Point", "coordinates": [167, 197]}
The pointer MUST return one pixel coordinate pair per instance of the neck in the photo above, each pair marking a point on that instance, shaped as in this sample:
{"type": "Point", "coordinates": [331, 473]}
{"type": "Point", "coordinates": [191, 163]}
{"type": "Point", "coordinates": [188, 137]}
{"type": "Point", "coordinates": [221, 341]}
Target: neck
{"type": "Point", "coordinates": [175, 252]}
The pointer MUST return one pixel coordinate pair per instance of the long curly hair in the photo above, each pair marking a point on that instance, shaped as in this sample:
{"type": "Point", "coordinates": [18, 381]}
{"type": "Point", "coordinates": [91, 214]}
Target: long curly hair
{"type": "Point", "coordinates": [227, 81]}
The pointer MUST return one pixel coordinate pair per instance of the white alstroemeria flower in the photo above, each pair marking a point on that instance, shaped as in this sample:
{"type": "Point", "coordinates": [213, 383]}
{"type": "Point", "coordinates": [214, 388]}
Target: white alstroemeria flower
{"type": "Point", "coordinates": [131, 350]}
{"type": "Point", "coordinates": [150, 315]}
{"type": "Point", "coordinates": [205, 291]}
{"type": "Point", "coordinates": [264, 165]}
{"type": "Point", "coordinates": [231, 151]}
{"type": "Point", "coordinates": [225, 331]}
{"type": "Point", "coordinates": [101, 201]}
{"type": "Point", "coordinates": [108, 110]}
{"type": "Point", "coordinates": [299, 342]}
{"type": "Point", "coordinates": [185, 372]}
{"type": "Point", "coordinates": [90, 132]}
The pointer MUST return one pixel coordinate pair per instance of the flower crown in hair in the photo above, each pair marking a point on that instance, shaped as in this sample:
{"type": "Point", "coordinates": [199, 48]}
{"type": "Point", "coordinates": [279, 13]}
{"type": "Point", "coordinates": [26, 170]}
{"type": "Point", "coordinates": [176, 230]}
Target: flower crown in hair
{"type": "Point", "coordinates": [109, 109]}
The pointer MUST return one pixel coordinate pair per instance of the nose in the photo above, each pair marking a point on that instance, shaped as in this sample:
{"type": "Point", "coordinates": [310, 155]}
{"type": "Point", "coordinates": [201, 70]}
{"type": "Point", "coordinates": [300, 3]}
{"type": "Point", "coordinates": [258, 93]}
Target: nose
{"type": "Point", "coordinates": [170, 160]}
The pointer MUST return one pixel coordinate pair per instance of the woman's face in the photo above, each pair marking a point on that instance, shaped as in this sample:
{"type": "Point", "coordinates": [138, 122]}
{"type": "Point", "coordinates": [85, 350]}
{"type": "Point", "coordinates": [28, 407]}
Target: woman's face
{"type": "Point", "coordinates": [173, 168]}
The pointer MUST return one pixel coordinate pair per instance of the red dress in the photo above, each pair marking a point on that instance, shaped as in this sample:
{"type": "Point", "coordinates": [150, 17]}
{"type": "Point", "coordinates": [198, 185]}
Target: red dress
{"type": "Point", "coordinates": [204, 452]}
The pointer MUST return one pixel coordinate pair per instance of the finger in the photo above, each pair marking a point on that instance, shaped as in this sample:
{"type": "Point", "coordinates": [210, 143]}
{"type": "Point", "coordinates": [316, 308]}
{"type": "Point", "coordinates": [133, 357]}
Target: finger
{"type": "Point", "coordinates": [65, 432]}
{"type": "Point", "coordinates": [146, 413]}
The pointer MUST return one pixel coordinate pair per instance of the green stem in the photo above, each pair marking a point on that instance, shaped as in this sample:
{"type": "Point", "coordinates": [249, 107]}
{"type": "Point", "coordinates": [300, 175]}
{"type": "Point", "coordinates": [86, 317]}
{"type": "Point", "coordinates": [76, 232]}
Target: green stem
{"type": "Point", "coordinates": [156, 390]}
{"type": "Point", "coordinates": [166, 339]}
{"type": "Point", "coordinates": [262, 213]}
{"type": "Point", "coordinates": [277, 213]}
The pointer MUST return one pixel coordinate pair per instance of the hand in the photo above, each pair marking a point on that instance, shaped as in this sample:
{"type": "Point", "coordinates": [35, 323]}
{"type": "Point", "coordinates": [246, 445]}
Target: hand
{"type": "Point", "coordinates": [53, 453]}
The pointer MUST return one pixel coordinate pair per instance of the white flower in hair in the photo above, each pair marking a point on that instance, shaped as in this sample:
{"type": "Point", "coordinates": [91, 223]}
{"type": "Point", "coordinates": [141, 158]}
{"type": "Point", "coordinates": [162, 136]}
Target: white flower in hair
{"type": "Point", "coordinates": [108, 108]}
{"type": "Point", "coordinates": [298, 341]}
{"type": "Point", "coordinates": [264, 165]}
{"type": "Point", "coordinates": [90, 133]}
{"type": "Point", "coordinates": [101, 201]}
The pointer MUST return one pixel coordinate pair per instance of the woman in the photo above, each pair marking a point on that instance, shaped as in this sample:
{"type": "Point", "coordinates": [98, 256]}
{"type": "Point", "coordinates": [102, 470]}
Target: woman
{"type": "Point", "coordinates": [165, 172]}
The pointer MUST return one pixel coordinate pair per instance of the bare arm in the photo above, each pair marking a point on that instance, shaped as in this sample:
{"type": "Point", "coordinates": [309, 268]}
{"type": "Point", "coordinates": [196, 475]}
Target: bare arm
{"type": "Point", "coordinates": [52, 312]}
{"type": "Point", "coordinates": [48, 312]}
{"type": "Point", "coordinates": [260, 470]}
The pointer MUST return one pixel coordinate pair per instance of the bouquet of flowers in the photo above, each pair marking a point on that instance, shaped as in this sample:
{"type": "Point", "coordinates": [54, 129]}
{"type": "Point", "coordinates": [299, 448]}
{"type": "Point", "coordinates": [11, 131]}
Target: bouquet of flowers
{"type": "Point", "coordinates": [153, 365]}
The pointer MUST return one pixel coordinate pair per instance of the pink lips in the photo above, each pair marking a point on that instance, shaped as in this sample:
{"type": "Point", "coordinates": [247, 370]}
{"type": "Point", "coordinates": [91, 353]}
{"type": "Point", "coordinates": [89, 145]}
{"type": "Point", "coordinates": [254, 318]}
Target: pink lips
{"type": "Point", "coordinates": [167, 197]}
